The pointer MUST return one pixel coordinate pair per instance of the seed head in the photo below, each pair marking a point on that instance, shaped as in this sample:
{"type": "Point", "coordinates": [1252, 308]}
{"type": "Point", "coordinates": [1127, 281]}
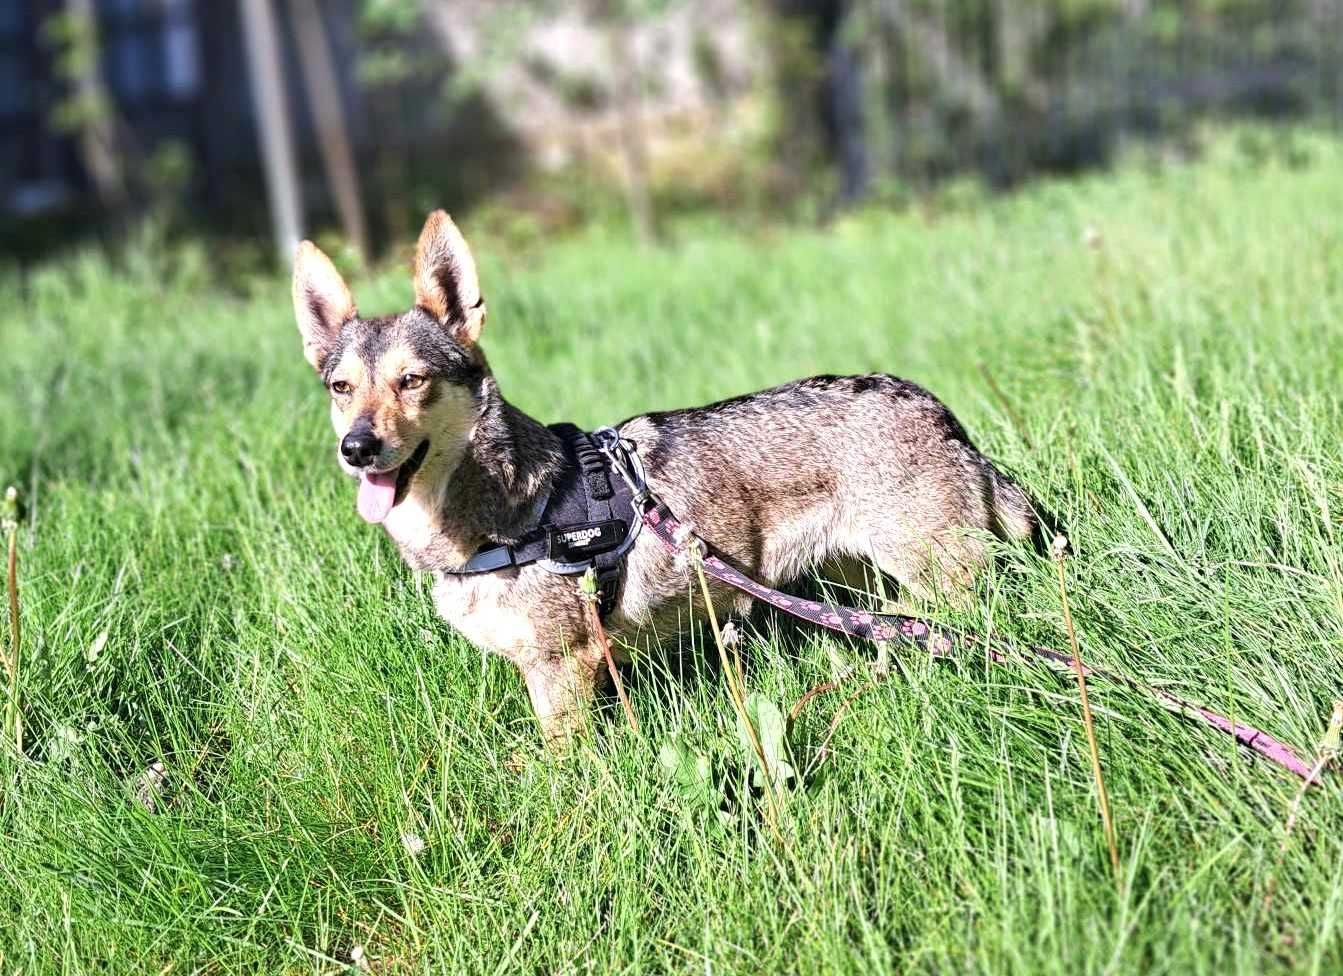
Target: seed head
{"type": "Point", "coordinates": [9, 510]}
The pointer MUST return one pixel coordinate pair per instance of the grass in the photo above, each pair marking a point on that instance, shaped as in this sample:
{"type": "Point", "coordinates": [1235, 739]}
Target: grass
{"type": "Point", "coordinates": [198, 591]}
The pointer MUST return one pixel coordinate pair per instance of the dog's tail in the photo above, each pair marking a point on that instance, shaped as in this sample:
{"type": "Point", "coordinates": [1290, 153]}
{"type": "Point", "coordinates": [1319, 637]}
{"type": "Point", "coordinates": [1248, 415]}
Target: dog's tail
{"type": "Point", "coordinates": [1014, 515]}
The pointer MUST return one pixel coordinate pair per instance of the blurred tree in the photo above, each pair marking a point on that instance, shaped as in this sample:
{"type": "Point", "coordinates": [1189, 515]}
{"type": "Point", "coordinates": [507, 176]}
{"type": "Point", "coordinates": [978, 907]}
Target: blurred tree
{"type": "Point", "coordinates": [614, 79]}
{"type": "Point", "coordinates": [324, 97]}
{"type": "Point", "coordinates": [620, 18]}
{"type": "Point", "coordinates": [88, 111]}
{"type": "Point", "coordinates": [840, 96]}
{"type": "Point", "coordinates": [277, 138]}
{"type": "Point", "coordinates": [961, 79]}
{"type": "Point", "coordinates": [128, 179]}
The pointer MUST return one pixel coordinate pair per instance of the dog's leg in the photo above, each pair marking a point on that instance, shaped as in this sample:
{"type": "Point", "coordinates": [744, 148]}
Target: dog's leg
{"type": "Point", "coordinates": [931, 536]}
{"type": "Point", "coordinates": [562, 689]}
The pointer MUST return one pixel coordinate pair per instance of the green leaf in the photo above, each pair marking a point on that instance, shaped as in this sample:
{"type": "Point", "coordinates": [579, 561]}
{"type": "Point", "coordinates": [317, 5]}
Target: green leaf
{"type": "Point", "coordinates": [692, 773]}
{"type": "Point", "coordinates": [772, 727]}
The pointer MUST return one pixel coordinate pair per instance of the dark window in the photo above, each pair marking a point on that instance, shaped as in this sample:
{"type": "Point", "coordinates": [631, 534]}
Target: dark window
{"type": "Point", "coordinates": [14, 93]}
{"type": "Point", "coordinates": [151, 50]}
{"type": "Point", "coordinates": [181, 66]}
{"type": "Point", "coordinates": [11, 20]}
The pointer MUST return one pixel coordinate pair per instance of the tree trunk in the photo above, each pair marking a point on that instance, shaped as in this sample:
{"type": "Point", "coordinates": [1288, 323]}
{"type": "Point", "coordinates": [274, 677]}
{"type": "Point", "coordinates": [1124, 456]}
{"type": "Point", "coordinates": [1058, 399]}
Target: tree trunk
{"type": "Point", "coordinates": [633, 143]}
{"type": "Point", "coordinates": [100, 149]}
{"type": "Point", "coordinates": [273, 125]}
{"type": "Point", "coordinates": [324, 95]}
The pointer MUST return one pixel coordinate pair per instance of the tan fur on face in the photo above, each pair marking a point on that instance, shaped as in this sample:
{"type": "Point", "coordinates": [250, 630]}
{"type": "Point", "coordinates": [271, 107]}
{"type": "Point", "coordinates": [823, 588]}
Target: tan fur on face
{"type": "Point", "coordinates": [415, 522]}
{"type": "Point", "coordinates": [401, 418]}
{"type": "Point", "coordinates": [344, 412]}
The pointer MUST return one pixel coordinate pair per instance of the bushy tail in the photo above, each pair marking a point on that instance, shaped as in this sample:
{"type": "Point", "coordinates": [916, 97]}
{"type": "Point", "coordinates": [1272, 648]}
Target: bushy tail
{"type": "Point", "coordinates": [1013, 512]}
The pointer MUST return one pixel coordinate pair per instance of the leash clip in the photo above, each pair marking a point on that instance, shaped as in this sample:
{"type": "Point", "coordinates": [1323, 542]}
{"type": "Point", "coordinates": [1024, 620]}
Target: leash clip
{"type": "Point", "coordinates": [624, 458]}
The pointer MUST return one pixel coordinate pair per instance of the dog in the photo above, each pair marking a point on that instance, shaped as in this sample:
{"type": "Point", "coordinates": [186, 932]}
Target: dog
{"type": "Point", "coordinates": [858, 469]}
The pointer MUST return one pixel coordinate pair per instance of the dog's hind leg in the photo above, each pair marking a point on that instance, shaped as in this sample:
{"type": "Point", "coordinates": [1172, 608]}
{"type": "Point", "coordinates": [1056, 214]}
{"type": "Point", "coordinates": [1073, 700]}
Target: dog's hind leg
{"type": "Point", "coordinates": [932, 551]}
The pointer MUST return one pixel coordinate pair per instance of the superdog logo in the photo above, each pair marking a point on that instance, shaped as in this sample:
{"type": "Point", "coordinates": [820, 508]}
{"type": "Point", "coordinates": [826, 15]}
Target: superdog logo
{"type": "Point", "coordinates": [576, 542]}
{"type": "Point", "coordinates": [577, 538]}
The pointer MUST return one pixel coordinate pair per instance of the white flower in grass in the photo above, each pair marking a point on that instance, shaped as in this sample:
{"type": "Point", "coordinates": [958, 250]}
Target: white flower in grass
{"type": "Point", "coordinates": [412, 842]}
{"type": "Point", "coordinates": [150, 786]}
{"type": "Point", "coordinates": [359, 959]}
{"type": "Point", "coordinates": [63, 743]}
{"type": "Point", "coordinates": [96, 647]}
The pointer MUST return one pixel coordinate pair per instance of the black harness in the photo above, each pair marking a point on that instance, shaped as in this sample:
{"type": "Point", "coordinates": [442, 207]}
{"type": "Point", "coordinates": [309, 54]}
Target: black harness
{"type": "Point", "coordinates": [588, 521]}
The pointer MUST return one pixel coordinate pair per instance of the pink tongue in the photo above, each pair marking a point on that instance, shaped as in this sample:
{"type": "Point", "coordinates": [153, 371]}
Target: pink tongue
{"type": "Point", "coordinates": [377, 495]}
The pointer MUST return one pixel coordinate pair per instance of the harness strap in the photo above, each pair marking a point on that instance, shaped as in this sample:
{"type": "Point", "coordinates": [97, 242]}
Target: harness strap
{"type": "Point", "coordinates": [586, 522]}
{"type": "Point", "coordinates": [603, 518]}
{"type": "Point", "coordinates": [495, 558]}
{"type": "Point", "coordinates": [944, 642]}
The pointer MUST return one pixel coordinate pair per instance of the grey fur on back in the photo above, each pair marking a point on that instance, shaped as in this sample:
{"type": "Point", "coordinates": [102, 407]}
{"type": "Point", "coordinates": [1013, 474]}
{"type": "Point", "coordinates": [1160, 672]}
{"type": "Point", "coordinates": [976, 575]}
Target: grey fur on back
{"type": "Point", "coordinates": [869, 468]}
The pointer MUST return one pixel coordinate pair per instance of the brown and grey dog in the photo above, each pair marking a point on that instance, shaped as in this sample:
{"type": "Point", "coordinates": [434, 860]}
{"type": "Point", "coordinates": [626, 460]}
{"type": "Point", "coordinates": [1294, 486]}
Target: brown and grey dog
{"type": "Point", "coordinates": [864, 468]}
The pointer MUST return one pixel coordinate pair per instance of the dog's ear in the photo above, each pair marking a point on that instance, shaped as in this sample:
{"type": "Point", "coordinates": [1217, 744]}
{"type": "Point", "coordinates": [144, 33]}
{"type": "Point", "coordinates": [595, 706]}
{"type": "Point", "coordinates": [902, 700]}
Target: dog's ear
{"type": "Point", "coordinates": [322, 302]}
{"type": "Point", "coordinates": [446, 285]}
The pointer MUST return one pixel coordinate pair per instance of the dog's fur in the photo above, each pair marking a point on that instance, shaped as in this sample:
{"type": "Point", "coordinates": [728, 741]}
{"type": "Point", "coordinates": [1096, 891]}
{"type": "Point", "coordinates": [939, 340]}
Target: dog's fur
{"type": "Point", "coordinates": [864, 468]}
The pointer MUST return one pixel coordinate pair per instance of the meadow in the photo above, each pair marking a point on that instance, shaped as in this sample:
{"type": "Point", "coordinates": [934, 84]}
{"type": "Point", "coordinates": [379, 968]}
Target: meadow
{"type": "Point", "coordinates": [347, 785]}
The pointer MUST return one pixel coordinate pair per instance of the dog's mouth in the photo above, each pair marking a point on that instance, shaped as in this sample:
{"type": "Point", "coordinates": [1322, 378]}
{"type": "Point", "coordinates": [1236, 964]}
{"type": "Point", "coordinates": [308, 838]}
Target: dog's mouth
{"type": "Point", "coordinates": [381, 491]}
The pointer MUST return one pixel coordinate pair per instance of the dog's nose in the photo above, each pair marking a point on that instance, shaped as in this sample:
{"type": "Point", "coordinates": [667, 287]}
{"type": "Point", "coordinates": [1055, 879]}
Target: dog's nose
{"type": "Point", "coordinates": [360, 447]}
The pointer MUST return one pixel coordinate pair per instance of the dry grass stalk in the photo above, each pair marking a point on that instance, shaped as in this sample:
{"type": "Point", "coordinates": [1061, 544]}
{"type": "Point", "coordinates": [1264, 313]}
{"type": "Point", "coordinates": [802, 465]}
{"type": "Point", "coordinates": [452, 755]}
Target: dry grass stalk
{"type": "Point", "coordinates": [1060, 549]}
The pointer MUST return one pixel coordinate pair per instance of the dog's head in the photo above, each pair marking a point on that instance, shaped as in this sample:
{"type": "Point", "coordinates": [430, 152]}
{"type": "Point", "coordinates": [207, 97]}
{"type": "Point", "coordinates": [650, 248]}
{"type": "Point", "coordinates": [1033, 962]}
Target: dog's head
{"type": "Point", "coordinates": [404, 389]}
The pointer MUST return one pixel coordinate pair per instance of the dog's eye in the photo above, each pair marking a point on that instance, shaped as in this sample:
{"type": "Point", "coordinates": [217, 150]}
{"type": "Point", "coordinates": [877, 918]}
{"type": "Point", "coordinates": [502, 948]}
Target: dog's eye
{"type": "Point", "coordinates": [412, 381]}
{"type": "Point", "coordinates": [341, 388]}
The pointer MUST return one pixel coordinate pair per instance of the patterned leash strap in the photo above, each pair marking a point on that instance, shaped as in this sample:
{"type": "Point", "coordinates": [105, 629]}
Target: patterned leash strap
{"type": "Point", "coordinates": [944, 642]}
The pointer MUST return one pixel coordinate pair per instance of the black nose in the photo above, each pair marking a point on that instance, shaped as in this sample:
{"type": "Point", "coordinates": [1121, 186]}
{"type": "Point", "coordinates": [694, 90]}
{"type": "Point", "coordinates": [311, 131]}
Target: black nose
{"type": "Point", "coordinates": [360, 447]}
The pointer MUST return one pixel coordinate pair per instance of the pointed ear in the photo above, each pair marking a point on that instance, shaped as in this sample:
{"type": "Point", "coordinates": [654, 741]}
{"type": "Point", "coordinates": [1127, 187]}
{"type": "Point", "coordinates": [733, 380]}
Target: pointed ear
{"type": "Point", "coordinates": [446, 285]}
{"type": "Point", "coordinates": [322, 302]}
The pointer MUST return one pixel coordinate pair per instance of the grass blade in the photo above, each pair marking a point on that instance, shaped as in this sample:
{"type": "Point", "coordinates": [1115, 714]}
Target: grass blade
{"type": "Point", "coordinates": [1102, 797]}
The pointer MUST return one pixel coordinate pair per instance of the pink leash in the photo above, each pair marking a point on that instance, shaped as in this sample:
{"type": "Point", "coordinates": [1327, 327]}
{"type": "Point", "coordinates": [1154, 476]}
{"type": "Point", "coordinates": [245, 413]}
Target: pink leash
{"type": "Point", "coordinates": [942, 642]}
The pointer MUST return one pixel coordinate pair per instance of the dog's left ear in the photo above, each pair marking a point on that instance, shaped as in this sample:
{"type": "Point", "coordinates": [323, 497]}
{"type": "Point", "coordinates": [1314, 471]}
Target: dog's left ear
{"type": "Point", "coordinates": [322, 302]}
{"type": "Point", "coordinates": [446, 285]}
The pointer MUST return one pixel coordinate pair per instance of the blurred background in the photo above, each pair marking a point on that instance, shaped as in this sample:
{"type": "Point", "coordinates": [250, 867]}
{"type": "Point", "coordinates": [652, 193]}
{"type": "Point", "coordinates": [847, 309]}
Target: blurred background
{"type": "Point", "coordinates": [258, 122]}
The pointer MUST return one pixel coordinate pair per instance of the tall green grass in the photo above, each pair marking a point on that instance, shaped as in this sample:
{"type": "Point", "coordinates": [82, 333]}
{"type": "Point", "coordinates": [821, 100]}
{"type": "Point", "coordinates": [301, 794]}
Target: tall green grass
{"type": "Point", "coordinates": [198, 591]}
